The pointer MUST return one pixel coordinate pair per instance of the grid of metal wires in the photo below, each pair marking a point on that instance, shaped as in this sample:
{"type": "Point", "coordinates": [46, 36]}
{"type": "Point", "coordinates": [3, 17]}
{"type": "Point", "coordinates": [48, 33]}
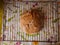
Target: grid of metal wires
{"type": "Point", "coordinates": [8, 12]}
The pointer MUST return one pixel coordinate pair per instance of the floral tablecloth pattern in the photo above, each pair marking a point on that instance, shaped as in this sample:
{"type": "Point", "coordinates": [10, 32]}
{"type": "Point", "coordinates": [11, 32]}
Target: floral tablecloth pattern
{"type": "Point", "coordinates": [23, 43]}
{"type": "Point", "coordinates": [17, 42]}
{"type": "Point", "coordinates": [12, 25]}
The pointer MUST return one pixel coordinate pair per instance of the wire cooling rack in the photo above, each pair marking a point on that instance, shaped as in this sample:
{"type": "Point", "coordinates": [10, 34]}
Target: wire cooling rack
{"type": "Point", "coordinates": [11, 24]}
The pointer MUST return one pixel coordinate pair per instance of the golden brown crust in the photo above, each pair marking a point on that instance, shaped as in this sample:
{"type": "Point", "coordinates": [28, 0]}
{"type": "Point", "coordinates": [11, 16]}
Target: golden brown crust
{"type": "Point", "coordinates": [33, 21]}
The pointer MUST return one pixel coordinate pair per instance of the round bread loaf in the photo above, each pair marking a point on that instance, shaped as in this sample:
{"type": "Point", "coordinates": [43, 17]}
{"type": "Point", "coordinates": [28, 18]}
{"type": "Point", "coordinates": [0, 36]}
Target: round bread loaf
{"type": "Point", "coordinates": [32, 21]}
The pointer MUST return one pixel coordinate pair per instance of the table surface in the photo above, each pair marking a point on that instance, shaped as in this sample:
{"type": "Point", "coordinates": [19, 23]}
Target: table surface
{"type": "Point", "coordinates": [5, 43]}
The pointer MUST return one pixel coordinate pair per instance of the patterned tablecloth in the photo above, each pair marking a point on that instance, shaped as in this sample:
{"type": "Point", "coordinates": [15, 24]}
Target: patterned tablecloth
{"type": "Point", "coordinates": [12, 25]}
{"type": "Point", "coordinates": [12, 31]}
{"type": "Point", "coordinates": [23, 43]}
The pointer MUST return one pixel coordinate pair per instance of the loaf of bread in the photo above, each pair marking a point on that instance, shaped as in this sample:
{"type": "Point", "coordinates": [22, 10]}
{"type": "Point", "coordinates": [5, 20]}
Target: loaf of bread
{"type": "Point", "coordinates": [32, 21]}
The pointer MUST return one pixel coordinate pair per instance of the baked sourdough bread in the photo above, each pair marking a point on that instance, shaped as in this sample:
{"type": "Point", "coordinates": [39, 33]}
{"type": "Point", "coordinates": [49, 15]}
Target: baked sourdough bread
{"type": "Point", "coordinates": [32, 21]}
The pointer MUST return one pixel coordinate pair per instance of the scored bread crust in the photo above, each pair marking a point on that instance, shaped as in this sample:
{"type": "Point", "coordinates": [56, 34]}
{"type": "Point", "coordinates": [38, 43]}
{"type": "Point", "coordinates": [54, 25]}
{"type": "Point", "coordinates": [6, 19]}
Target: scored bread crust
{"type": "Point", "coordinates": [32, 21]}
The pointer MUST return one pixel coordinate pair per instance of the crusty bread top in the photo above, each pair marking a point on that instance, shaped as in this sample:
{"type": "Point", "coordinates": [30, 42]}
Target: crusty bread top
{"type": "Point", "coordinates": [32, 21]}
